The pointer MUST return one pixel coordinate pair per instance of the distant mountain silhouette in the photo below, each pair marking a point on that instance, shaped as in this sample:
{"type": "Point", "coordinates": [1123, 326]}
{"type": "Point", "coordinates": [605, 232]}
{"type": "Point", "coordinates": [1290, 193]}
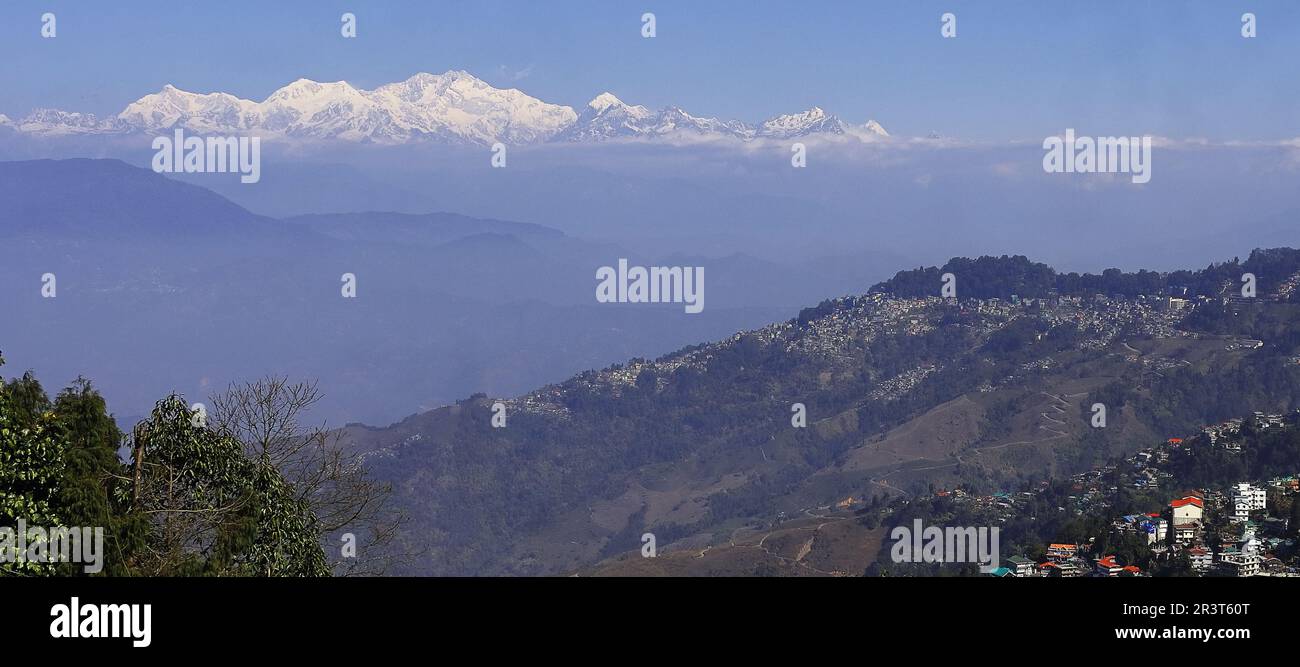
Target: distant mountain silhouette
{"type": "Point", "coordinates": [164, 285]}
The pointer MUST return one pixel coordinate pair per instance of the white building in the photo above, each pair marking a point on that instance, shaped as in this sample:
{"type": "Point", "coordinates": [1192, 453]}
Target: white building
{"type": "Point", "coordinates": [1187, 509]}
{"type": "Point", "coordinates": [1245, 563]}
{"type": "Point", "coordinates": [1201, 558]}
{"type": "Point", "coordinates": [1156, 529]}
{"type": "Point", "coordinates": [1240, 565]}
{"type": "Point", "coordinates": [1247, 499]}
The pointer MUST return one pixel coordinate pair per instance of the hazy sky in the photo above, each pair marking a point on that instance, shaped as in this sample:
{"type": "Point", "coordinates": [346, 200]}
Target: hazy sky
{"type": "Point", "coordinates": [1016, 70]}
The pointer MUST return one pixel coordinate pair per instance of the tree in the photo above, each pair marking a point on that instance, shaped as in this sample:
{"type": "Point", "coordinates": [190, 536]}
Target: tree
{"type": "Point", "coordinates": [212, 510]}
{"type": "Point", "coordinates": [190, 501]}
{"type": "Point", "coordinates": [28, 402]}
{"type": "Point", "coordinates": [31, 469]}
{"type": "Point", "coordinates": [267, 417]}
{"type": "Point", "coordinates": [58, 467]}
{"type": "Point", "coordinates": [93, 492]}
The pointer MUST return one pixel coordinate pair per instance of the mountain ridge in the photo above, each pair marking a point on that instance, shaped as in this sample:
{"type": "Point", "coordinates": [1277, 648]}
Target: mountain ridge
{"type": "Point", "coordinates": [899, 391]}
{"type": "Point", "coordinates": [453, 107]}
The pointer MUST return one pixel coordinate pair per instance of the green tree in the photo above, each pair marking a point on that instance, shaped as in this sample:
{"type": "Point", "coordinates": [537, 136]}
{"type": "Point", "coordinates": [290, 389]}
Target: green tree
{"type": "Point", "coordinates": [31, 468]}
{"type": "Point", "coordinates": [212, 510]}
{"type": "Point", "coordinates": [93, 491]}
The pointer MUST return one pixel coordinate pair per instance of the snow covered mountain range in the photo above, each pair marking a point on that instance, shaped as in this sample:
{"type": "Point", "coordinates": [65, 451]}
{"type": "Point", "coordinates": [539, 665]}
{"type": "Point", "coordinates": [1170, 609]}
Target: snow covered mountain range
{"type": "Point", "coordinates": [453, 107]}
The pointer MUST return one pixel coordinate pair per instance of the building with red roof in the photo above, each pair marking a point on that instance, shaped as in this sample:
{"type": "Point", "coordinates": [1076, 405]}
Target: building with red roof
{"type": "Point", "coordinates": [1108, 566]}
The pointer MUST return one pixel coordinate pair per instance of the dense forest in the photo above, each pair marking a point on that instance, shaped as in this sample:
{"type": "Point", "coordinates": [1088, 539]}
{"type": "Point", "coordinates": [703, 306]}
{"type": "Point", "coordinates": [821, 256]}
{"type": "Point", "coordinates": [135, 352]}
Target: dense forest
{"type": "Point", "coordinates": [1001, 277]}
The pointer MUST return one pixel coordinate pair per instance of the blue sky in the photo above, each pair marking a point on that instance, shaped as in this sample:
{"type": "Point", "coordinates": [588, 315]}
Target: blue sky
{"type": "Point", "coordinates": [1017, 70]}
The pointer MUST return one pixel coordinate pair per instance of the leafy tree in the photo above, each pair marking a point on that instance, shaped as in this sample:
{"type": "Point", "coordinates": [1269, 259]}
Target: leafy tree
{"type": "Point", "coordinates": [94, 478]}
{"type": "Point", "coordinates": [31, 468]}
{"type": "Point", "coordinates": [211, 509]}
{"type": "Point", "coordinates": [28, 402]}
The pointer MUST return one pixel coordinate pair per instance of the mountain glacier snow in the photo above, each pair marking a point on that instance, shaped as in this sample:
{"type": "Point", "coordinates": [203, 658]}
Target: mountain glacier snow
{"type": "Point", "coordinates": [454, 107]}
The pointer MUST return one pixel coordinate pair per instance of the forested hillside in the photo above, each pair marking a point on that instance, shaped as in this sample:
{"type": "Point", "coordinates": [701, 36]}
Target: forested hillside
{"type": "Point", "coordinates": [901, 391]}
{"type": "Point", "coordinates": [1001, 277]}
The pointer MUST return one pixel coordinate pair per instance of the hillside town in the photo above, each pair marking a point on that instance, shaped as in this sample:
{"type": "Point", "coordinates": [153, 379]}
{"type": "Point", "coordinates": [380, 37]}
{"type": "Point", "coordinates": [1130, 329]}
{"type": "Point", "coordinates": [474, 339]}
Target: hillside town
{"type": "Point", "coordinates": [837, 330]}
{"type": "Point", "coordinates": [1241, 530]}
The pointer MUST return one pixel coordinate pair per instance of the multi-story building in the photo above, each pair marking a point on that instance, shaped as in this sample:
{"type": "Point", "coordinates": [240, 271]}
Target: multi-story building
{"type": "Point", "coordinates": [1108, 566]}
{"type": "Point", "coordinates": [1062, 551]}
{"type": "Point", "coordinates": [1022, 567]}
{"type": "Point", "coordinates": [1186, 515]}
{"type": "Point", "coordinates": [1240, 564]}
{"type": "Point", "coordinates": [1156, 529]}
{"type": "Point", "coordinates": [1201, 558]}
{"type": "Point", "coordinates": [1187, 509]}
{"type": "Point", "coordinates": [1247, 499]}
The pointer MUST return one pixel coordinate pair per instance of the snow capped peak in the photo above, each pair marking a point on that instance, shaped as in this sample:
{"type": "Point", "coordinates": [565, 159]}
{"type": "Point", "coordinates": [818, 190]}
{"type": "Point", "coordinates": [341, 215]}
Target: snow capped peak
{"type": "Point", "coordinates": [426, 86]}
{"type": "Point", "coordinates": [422, 78]}
{"type": "Point", "coordinates": [811, 115]}
{"type": "Point", "coordinates": [173, 107]}
{"type": "Point", "coordinates": [604, 101]}
{"type": "Point", "coordinates": [306, 88]}
{"type": "Point", "coordinates": [459, 107]}
{"type": "Point", "coordinates": [607, 117]}
{"type": "Point", "coordinates": [816, 121]}
{"type": "Point", "coordinates": [168, 90]}
{"type": "Point", "coordinates": [53, 122]}
{"type": "Point", "coordinates": [456, 75]}
{"type": "Point", "coordinates": [812, 121]}
{"type": "Point", "coordinates": [43, 114]}
{"type": "Point", "coordinates": [868, 131]}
